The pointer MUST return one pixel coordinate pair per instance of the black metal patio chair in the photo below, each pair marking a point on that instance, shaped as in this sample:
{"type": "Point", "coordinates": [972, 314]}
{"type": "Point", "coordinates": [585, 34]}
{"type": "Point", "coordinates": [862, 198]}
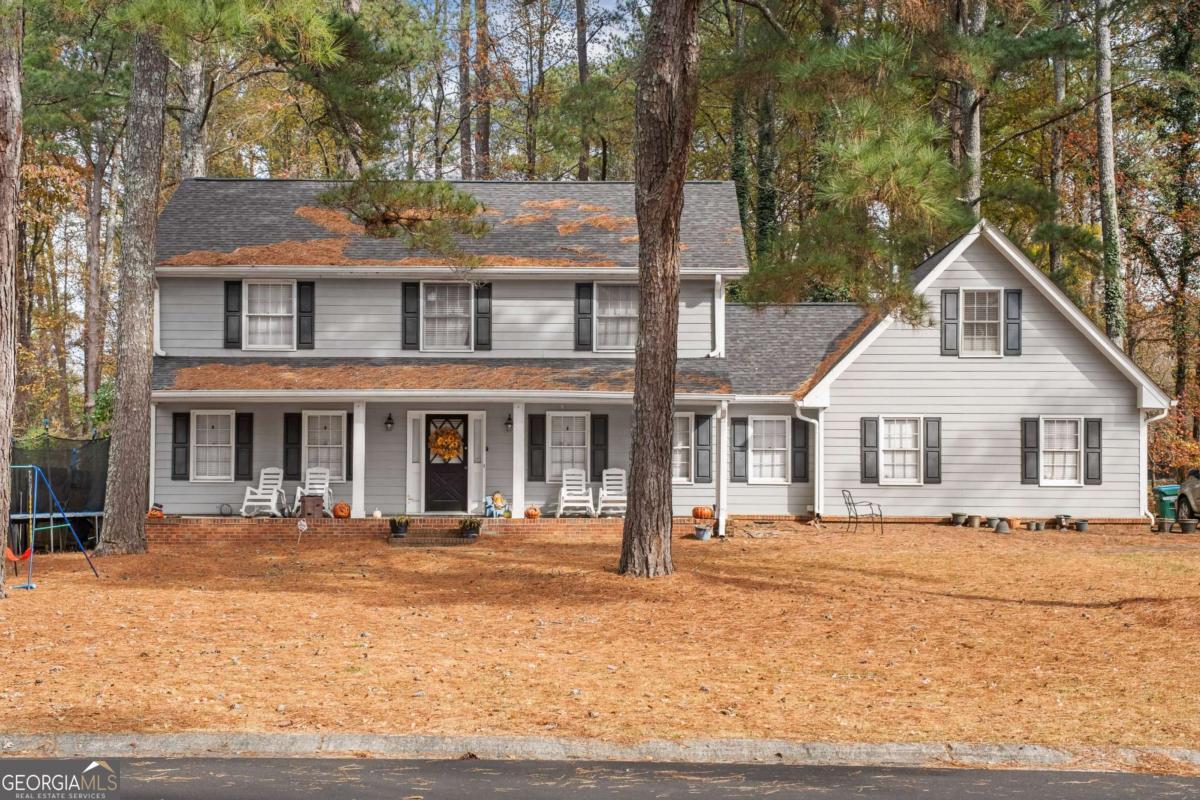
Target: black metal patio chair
{"type": "Point", "coordinates": [861, 508]}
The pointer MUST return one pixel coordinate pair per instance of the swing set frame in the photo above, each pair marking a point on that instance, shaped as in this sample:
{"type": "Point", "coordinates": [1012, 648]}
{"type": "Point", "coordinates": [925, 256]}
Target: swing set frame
{"type": "Point", "coordinates": [39, 481]}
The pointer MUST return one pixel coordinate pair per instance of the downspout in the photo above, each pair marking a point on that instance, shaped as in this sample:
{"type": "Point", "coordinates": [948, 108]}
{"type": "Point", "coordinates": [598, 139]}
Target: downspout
{"type": "Point", "coordinates": [1161, 415]}
{"type": "Point", "coordinates": [157, 334]}
{"type": "Point", "coordinates": [718, 350]}
{"type": "Point", "coordinates": [723, 468]}
{"type": "Point", "coordinates": [818, 459]}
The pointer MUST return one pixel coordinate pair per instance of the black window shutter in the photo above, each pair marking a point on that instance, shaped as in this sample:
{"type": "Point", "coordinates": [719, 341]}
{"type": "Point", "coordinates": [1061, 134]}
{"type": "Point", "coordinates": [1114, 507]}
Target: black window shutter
{"type": "Point", "coordinates": [950, 322]}
{"type": "Point", "coordinates": [181, 431]}
{"type": "Point", "coordinates": [535, 447]}
{"type": "Point", "coordinates": [1093, 446]}
{"type": "Point", "coordinates": [293, 433]}
{"type": "Point", "coordinates": [599, 445]}
{"type": "Point", "coordinates": [869, 447]}
{"type": "Point", "coordinates": [233, 315]}
{"type": "Point", "coordinates": [799, 450]}
{"type": "Point", "coordinates": [583, 316]}
{"type": "Point", "coordinates": [243, 451]}
{"type": "Point", "coordinates": [350, 446]}
{"type": "Point", "coordinates": [483, 316]}
{"type": "Point", "coordinates": [702, 449]}
{"type": "Point", "coordinates": [306, 315]}
{"type": "Point", "coordinates": [933, 450]}
{"type": "Point", "coordinates": [410, 306]}
{"type": "Point", "coordinates": [1030, 435]}
{"type": "Point", "coordinates": [739, 448]}
{"type": "Point", "coordinates": [1012, 322]}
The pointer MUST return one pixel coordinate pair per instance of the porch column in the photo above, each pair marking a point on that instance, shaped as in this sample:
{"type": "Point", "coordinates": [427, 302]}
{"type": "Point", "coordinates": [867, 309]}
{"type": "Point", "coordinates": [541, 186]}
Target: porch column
{"type": "Point", "coordinates": [153, 435]}
{"type": "Point", "coordinates": [517, 501]}
{"type": "Point", "coordinates": [358, 490]}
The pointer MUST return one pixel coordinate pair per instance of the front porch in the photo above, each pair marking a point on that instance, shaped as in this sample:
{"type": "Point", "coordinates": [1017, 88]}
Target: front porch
{"type": "Point", "coordinates": [386, 455]}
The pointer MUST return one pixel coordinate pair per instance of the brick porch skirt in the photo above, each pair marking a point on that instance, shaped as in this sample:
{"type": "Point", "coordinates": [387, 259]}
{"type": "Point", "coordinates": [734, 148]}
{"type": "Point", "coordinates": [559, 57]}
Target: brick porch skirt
{"type": "Point", "coordinates": [193, 530]}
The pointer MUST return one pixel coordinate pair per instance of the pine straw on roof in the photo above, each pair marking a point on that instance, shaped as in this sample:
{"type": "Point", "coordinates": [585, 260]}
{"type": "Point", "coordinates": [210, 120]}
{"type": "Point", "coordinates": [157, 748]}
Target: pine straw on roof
{"type": "Point", "coordinates": [836, 353]}
{"type": "Point", "coordinates": [473, 375]}
{"type": "Point", "coordinates": [925, 633]}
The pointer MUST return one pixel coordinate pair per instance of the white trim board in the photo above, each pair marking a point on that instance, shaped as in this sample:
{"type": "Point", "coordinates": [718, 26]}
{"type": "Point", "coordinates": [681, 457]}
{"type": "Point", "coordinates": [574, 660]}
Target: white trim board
{"type": "Point", "coordinates": [1149, 396]}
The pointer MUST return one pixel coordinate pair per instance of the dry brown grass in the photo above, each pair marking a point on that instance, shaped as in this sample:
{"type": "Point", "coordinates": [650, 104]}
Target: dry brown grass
{"type": "Point", "coordinates": [923, 633]}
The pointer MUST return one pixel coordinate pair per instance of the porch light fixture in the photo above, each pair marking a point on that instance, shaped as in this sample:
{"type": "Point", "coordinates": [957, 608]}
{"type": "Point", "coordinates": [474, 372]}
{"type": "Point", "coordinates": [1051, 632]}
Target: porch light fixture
{"type": "Point", "coordinates": [389, 423]}
{"type": "Point", "coordinates": [508, 424]}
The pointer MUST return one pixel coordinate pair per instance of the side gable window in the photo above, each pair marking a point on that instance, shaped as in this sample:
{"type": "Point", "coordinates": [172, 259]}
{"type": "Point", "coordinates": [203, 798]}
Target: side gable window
{"type": "Point", "coordinates": [981, 322]}
{"type": "Point", "coordinates": [900, 451]}
{"type": "Point", "coordinates": [616, 316]}
{"type": "Point", "coordinates": [1062, 446]}
{"type": "Point", "coordinates": [446, 317]}
{"type": "Point", "coordinates": [269, 315]}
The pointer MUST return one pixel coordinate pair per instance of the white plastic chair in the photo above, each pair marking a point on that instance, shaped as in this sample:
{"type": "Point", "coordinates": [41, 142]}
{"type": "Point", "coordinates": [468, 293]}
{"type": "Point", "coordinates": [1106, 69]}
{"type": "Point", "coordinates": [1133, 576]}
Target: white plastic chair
{"type": "Point", "coordinates": [268, 496]}
{"type": "Point", "coordinates": [612, 492]}
{"type": "Point", "coordinates": [575, 493]}
{"type": "Point", "coordinates": [316, 484]}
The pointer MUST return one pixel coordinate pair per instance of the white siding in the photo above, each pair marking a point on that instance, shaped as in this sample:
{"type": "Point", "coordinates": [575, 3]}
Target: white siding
{"type": "Point", "coordinates": [361, 317]}
{"type": "Point", "coordinates": [981, 402]}
{"type": "Point", "coordinates": [757, 498]}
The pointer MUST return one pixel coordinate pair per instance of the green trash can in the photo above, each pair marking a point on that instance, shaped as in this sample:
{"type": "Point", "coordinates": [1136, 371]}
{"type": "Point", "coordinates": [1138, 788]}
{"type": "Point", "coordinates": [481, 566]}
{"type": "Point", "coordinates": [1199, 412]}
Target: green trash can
{"type": "Point", "coordinates": [1166, 500]}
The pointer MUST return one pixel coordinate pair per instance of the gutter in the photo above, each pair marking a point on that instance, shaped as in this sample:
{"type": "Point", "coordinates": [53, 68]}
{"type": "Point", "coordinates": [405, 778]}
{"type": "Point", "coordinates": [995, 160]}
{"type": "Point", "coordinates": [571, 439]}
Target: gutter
{"type": "Point", "coordinates": [1159, 416]}
{"type": "Point", "coordinates": [718, 350]}
{"type": "Point", "coordinates": [335, 395]}
{"type": "Point", "coordinates": [818, 459]}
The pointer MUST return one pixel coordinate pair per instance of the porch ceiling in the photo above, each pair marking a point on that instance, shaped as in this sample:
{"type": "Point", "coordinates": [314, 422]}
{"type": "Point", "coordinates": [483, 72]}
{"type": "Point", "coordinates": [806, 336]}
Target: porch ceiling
{"type": "Point", "coordinates": [693, 376]}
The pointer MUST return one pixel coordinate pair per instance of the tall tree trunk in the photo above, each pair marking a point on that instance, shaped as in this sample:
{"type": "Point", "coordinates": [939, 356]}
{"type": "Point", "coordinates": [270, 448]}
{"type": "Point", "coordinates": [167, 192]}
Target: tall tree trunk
{"type": "Point", "coordinates": [349, 163]}
{"type": "Point", "coordinates": [93, 322]}
{"type": "Point", "coordinates": [581, 58]}
{"type": "Point", "coordinates": [464, 90]}
{"type": "Point", "coordinates": [193, 144]}
{"type": "Point", "coordinates": [603, 158]}
{"type": "Point", "coordinates": [971, 113]}
{"type": "Point", "coordinates": [1113, 270]}
{"type": "Point", "coordinates": [1057, 134]}
{"type": "Point", "coordinates": [127, 495]}
{"type": "Point", "coordinates": [665, 112]}
{"type": "Point", "coordinates": [483, 93]}
{"type": "Point", "coordinates": [439, 95]}
{"type": "Point", "coordinates": [739, 157]}
{"type": "Point", "coordinates": [11, 38]}
{"type": "Point", "coordinates": [767, 200]}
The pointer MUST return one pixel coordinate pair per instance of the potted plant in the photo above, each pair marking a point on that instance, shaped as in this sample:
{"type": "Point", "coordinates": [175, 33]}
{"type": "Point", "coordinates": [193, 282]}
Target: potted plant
{"type": "Point", "coordinates": [1081, 525]}
{"type": "Point", "coordinates": [958, 518]}
{"type": "Point", "coordinates": [399, 525]}
{"type": "Point", "coordinates": [469, 527]}
{"type": "Point", "coordinates": [1187, 526]}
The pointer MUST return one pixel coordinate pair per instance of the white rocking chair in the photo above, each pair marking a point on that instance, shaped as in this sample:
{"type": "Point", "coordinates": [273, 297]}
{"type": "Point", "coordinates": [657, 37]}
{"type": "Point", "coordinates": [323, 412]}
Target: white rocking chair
{"type": "Point", "coordinates": [316, 484]}
{"type": "Point", "coordinates": [575, 493]}
{"type": "Point", "coordinates": [268, 496]}
{"type": "Point", "coordinates": [612, 492]}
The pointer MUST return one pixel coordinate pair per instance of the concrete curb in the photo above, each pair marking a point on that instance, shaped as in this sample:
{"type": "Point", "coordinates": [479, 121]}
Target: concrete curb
{"type": "Point", "coordinates": [538, 748]}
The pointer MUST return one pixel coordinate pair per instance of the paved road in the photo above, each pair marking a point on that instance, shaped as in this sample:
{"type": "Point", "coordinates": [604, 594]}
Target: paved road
{"type": "Point", "coordinates": [345, 779]}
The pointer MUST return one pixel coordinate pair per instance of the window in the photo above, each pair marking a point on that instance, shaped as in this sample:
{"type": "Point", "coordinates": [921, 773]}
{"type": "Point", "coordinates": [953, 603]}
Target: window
{"type": "Point", "coordinates": [270, 322]}
{"type": "Point", "coordinates": [446, 316]}
{"type": "Point", "coordinates": [616, 316]}
{"type": "Point", "coordinates": [681, 448]}
{"type": "Point", "coordinates": [981, 322]}
{"type": "Point", "coordinates": [900, 459]}
{"type": "Point", "coordinates": [568, 443]}
{"type": "Point", "coordinates": [212, 445]}
{"type": "Point", "coordinates": [1061, 442]}
{"type": "Point", "coordinates": [325, 442]}
{"type": "Point", "coordinates": [769, 449]}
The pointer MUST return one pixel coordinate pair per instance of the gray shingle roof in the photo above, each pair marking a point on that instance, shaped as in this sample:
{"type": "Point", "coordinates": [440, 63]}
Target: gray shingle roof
{"type": "Point", "coordinates": [774, 349]}
{"type": "Point", "coordinates": [547, 224]}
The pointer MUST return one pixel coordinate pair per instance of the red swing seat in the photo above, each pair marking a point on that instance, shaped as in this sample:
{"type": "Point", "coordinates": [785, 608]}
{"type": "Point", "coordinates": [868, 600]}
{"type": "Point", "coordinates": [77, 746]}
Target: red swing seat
{"type": "Point", "coordinates": [9, 555]}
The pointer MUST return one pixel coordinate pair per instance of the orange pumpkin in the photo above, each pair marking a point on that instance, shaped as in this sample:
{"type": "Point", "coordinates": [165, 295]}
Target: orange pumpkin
{"type": "Point", "coordinates": [532, 512]}
{"type": "Point", "coordinates": [702, 512]}
{"type": "Point", "coordinates": [341, 510]}
{"type": "Point", "coordinates": [154, 513]}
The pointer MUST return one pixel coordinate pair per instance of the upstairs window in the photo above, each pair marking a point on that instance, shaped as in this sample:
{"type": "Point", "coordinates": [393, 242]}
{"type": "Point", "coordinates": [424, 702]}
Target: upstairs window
{"type": "Point", "coordinates": [616, 316]}
{"type": "Point", "coordinates": [270, 315]}
{"type": "Point", "coordinates": [446, 317]}
{"type": "Point", "coordinates": [567, 445]}
{"type": "Point", "coordinates": [981, 322]}
{"type": "Point", "coordinates": [1061, 456]}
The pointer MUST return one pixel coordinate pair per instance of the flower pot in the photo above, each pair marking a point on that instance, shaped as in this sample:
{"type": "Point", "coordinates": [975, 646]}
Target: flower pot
{"type": "Point", "coordinates": [973, 521]}
{"type": "Point", "coordinates": [1002, 526]}
{"type": "Point", "coordinates": [958, 518]}
{"type": "Point", "coordinates": [1081, 525]}
{"type": "Point", "coordinates": [1064, 521]}
{"type": "Point", "coordinates": [1187, 526]}
{"type": "Point", "coordinates": [470, 533]}
{"type": "Point", "coordinates": [991, 521]}
{"type": "Point", "coordinates": [703, 532]}
{"type": "Point", "coordinates": [399, 529]}
{"type": "Point", "coordinates": [1163, 525]}
{"type": "Point", "coordinates": [1037, 526]}
{"type": "Point", "coordinates": [1014, 523]}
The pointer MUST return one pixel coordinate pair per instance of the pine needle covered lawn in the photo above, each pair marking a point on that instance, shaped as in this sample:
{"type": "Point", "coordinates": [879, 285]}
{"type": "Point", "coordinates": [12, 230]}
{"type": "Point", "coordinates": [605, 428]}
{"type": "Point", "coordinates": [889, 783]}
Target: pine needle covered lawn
{"type": "Point", "coordinates": [924, 633]}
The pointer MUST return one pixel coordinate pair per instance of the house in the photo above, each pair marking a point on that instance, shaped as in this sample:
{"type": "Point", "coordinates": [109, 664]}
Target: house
{"type": "Point", "coordinates": [285, 336]}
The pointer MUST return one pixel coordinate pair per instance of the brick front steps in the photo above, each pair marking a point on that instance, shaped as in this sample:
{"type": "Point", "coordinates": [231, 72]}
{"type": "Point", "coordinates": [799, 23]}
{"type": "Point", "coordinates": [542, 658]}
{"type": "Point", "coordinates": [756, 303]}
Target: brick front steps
{"type": "Point", "coordinates": [198, 530]}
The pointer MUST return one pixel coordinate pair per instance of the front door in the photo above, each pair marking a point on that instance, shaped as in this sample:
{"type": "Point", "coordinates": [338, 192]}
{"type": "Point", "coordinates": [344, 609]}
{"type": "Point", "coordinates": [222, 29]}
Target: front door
{"type": "Point", "coordinates": [446, 462]}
